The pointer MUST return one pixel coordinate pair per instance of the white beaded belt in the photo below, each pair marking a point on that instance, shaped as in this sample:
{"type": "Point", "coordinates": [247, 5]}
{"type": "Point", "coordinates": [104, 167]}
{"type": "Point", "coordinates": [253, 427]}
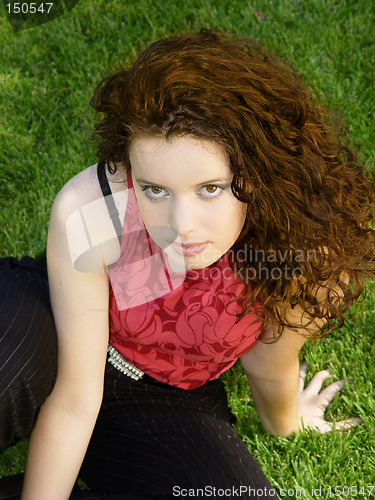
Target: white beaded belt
{"type": "Point", "coordinates": [122, 365]}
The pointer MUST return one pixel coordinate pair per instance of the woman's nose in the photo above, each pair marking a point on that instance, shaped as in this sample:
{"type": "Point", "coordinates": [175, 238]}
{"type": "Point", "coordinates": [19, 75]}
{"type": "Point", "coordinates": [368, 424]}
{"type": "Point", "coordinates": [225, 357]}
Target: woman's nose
{"type": "Point", "coordinates": [184, 217]}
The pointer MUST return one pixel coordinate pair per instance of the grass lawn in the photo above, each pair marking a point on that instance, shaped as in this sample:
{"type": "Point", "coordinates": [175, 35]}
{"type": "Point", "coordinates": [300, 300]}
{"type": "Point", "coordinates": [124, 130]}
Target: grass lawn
{"type": "Point", "coordinates": [47, 76]}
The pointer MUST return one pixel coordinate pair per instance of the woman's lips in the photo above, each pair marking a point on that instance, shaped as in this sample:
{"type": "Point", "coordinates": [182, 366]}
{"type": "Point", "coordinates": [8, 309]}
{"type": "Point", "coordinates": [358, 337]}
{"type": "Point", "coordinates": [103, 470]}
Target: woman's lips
{"type": "Point", "coordinates": [189, 249]}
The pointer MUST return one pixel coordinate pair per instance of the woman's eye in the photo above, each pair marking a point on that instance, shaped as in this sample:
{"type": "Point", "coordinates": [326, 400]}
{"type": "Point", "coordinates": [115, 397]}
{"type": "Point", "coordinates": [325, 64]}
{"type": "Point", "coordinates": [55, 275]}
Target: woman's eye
{"type": "Point", "coordinates": [211, 191]}
{"type": "Point", "coordinates": [155, 192]}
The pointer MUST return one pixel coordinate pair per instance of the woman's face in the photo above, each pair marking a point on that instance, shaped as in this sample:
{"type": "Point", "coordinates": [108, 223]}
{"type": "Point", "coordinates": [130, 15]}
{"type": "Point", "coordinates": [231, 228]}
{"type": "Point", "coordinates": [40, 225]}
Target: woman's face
{"type": "Point", "coordinates": [183, 189]}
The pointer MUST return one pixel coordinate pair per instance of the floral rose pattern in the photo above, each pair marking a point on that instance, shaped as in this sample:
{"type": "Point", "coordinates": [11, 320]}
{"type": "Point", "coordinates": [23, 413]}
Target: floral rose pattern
{"type": "Point", "coordinates": [180, 328]}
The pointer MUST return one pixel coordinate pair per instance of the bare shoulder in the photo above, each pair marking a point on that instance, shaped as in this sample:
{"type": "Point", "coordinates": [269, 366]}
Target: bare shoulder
{"type": "Point", "coordinates": [80, 219]}
{"type": "Point", "coordinates": [84, 188]}
{"type": "Point", "coordinates": [77, 253]}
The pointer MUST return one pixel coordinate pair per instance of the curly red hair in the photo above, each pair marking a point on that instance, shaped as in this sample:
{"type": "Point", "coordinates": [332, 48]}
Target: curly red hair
{"type": "Point", "coordinates": [306, 195]}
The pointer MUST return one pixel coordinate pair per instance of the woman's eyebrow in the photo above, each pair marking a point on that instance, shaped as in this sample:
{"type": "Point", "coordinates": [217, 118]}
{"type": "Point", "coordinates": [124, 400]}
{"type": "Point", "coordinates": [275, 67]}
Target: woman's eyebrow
{"type": "Point", "coordinates": [216, 181]}
{"type": "Point", "coordinates": [210, 181]}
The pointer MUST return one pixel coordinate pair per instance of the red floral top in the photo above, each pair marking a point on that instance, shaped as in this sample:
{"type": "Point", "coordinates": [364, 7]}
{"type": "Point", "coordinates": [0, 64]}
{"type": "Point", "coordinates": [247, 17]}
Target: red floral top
{"type": "Point", "coordinates": [180, 328]}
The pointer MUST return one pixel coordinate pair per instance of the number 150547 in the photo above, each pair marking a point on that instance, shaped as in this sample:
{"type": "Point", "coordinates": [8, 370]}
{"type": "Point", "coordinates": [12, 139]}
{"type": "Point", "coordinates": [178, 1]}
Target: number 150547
{"type": "Point", "coordinates": [29, 8]}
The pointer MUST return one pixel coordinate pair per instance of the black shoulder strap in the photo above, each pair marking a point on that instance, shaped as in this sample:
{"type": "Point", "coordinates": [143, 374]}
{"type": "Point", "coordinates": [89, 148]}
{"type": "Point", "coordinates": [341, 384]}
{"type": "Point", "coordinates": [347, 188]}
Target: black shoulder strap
{"type": "Point", "coordinates": [108, 198]}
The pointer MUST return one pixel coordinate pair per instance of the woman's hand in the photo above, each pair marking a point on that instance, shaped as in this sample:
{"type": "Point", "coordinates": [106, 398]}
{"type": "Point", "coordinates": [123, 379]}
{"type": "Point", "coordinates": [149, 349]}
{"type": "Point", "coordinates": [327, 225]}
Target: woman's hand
{"type": "Point", "coordinates": [312, 404]}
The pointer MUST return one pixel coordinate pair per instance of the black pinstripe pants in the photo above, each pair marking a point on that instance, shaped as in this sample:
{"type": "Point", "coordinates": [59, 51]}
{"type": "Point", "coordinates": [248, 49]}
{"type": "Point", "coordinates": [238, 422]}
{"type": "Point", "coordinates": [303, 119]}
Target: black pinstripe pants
{"type": "Point", "coordinates": [28, 346]}
{"type": "Point", "coordinates": [151, 440]}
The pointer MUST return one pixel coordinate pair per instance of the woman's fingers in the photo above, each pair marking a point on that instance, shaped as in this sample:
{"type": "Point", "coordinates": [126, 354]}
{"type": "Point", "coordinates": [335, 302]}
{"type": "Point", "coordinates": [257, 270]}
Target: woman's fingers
{"type": "Point", "coordinates": [317, 381]}
{"type": "Point", "coordinates": [313, 402]}
{"type": "Point", "coordinates": [319, 425]}
{"type": "Point", "coordinates": [328, 394]}
{"type": "Point", "coordinates": [346, 425]}
{"type": "Point", "coordinates": [323, 426]}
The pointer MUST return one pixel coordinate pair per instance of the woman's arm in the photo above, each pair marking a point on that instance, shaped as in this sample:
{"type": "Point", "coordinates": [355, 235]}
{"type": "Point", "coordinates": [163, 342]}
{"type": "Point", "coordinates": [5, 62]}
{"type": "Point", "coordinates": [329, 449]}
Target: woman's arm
{"type": "Point", "coordinates": [276, 379]}
{"type": "Point", "coordinates": [80, 307]}
{"type": "Point", "coordinates": [272, 372]}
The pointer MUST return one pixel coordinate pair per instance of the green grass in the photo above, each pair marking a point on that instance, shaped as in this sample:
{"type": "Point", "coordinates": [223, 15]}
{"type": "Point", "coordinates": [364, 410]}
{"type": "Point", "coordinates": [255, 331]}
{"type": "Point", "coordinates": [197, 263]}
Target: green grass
{"type": "Point", "coordinates": [47, 76]}
{"type": "Point", "coordinates": [312, 460]}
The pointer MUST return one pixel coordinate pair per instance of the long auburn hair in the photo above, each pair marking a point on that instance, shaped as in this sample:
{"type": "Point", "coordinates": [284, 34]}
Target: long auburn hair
{"type": "Point", "coordinates": [309, 204]}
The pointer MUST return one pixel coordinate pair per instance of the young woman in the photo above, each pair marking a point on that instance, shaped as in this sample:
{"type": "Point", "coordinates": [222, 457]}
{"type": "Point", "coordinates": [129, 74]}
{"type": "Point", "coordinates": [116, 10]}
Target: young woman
{"type": "Point", "coordinates": [222, 222]}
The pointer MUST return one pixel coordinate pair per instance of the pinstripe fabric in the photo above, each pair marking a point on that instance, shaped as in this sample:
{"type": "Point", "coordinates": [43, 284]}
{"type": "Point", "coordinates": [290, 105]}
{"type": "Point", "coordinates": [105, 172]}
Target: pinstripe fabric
{"type": "Point", "coordinates": [28, 346]}
{"type": "Point", "coordinates": [154, 439]}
